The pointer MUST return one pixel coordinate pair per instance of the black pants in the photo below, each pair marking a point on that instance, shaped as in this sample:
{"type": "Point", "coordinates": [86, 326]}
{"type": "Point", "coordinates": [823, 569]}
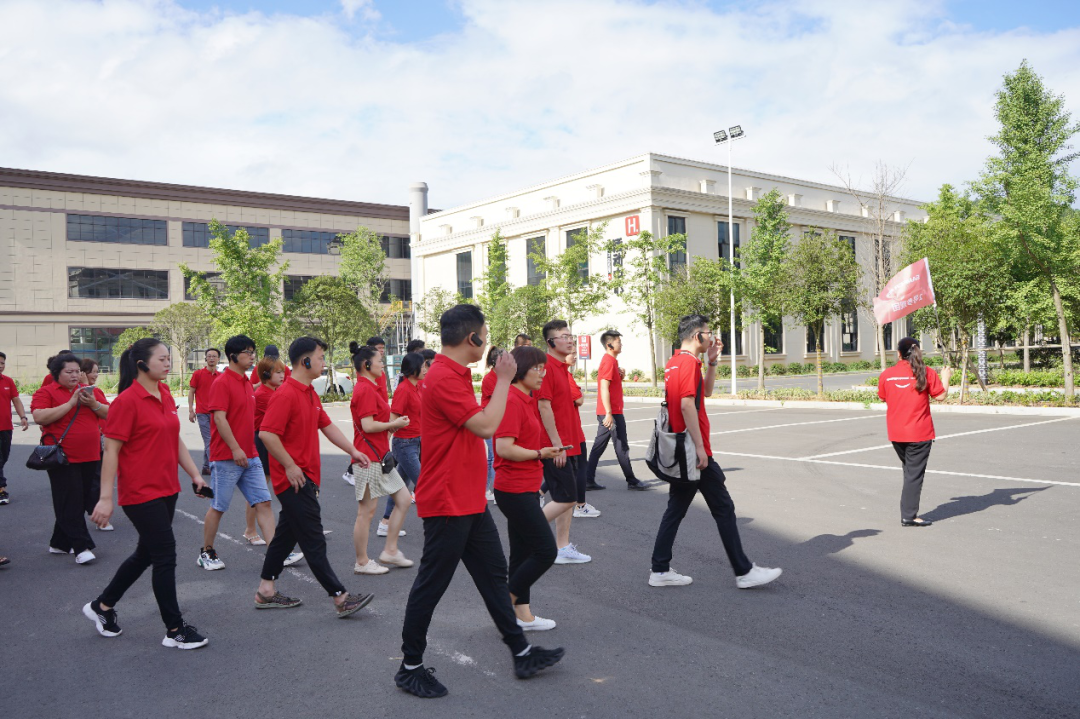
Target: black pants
{"type": "Point", "coordinates": [5, 452]}
{"type": "Point", "coordinates": [264, 454]}
{"type": "Point", "coordinates": [75, 490]}
{"type": "Point", "coordinates": [913, 455]}
{"type": "Point", "coordinates": [157, 548]}
{"type": "Point", "coordinates": [579, 473]}
{"type": "Point", "coordinates": [474, 541]}
{"type": "Point", "coordinates": [300, 522]}
{"type": "Point", "coordinates": [532, 545]}
{"type": "Point", "coordinates": [722, 508]}
{"type": "Point", "coordinates": [622, 450]}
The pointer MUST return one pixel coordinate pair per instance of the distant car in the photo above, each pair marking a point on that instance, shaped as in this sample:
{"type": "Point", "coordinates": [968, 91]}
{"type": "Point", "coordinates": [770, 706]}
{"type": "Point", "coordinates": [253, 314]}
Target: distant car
{"type": "Point", "coordinates": [343, 383]}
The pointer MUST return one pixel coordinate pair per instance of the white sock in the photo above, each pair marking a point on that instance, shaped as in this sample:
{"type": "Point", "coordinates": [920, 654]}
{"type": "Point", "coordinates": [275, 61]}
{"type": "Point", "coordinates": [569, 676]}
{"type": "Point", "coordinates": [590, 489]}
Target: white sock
{"type": "Point", "coordinates": [410, 667]}
{"type": "Point", "coordinates": [525, 652]}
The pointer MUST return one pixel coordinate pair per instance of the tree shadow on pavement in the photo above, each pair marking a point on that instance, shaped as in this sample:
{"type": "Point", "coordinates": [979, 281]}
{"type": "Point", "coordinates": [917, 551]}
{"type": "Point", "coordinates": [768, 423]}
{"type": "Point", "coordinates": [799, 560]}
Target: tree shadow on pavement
{"type": "Point", "coordinates": [959, 506]}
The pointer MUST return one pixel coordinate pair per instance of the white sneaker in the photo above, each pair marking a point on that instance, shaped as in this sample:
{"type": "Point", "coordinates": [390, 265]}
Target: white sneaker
{"type": "Point", "coordinates": [757, 576]}
{"type": "Point", "coordinates": [85, 557]}
{"type": "Point", "coordinates": [372, 567]}
{"type": "Point", "coordinates": [541, 501]}
{"type": "Point", "coordinates": [570, 555]}
{"type": "Point", "coordinates": [349, 479]}
{"type": "Point", "coordinates": [587, 511]}
{"type": "Point", "coordinates": [538, 624]}
{"type": "Point", "coordinates": [414, 497]}
{"type": "Point", "coordinates": [670, 578]}
{"type": "Point", "coordinates": [384, 530]}
{"type": "Point", "coordinates": [54, 550]}
{"type": "Point", "coordinates": [293, 558]}
{"type": "Point", "coordinates": [210, 561]}
{"type": "Point", "coordinates": [490, 495]}
{"type": "Point", "coordinates": [396, 560]}
{"type": "Point", "coordinates": [107, 528]}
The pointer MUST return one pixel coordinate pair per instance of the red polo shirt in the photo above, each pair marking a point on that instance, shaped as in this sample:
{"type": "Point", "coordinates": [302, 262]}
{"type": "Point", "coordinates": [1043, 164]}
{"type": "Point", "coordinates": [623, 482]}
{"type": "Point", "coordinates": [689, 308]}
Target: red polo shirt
{"type": "Point", "coordinates": [296, 415]}
{"type": "Point", "coordinates": [150, 431]}
{"type": "Point", "coordinates": [907, 416]}
{"type": "Point", "coordinates": [8, 392]}
{"type": "Point", "coordinates": [83, 441]}
{"type": "Point", "coordinates": [256, 380]}
{"type": "Point", "coordinates": [523, 424]}
{"type": "Point", "coordinates": [232, 395]}
{"type": "Point", "coordinates": [263, 393]}
{"type": "Point", "coordinates": [100, 397]}
{"type": "Point", "coordinates": [453, 474]}
{"type": "Point", "coordinates": [383, 386]}
{"type": "Point", "coordinates": [682, 373]}
{"type": "Point", "coordinates": [201, 381]}
{"type": "Point", "coordinates": [556, 388]}
{"type": "Point", "coordinates": [576, 394]}
{"type": "Point", "coordinates": [368, 401]}
{"type": "Point", "coordinates": [487, 387]}
{"type": "Point", "coordinates": [609, 370]}
{"type": "Point", "coordinates": [407, 403]}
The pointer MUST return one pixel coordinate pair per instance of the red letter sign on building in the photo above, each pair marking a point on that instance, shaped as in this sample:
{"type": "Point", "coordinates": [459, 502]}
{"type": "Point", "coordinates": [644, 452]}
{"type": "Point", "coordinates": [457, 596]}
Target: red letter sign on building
{"type": "Point", "coordinates": [633, 225]}
{"type": "Point", "coordinates": [584, 347]}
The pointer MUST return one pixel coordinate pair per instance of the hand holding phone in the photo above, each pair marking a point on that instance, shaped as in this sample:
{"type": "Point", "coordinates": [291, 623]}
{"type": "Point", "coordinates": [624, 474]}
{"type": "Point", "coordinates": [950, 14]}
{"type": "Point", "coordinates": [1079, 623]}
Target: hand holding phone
{"type": "Point", "coordinates": [567, 446]}
{"type": "Point", "coordinates": [203, 491]}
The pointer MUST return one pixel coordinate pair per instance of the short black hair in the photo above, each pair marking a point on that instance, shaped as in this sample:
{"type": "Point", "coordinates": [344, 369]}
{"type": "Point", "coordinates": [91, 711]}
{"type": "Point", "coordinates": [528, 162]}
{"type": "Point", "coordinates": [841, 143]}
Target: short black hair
{"type": "Point", "coordinates": [57, 363]}
{"type": "Point", "coordinates": [237, 344]}
{"type": "Point", "coordinates": [414, 346]}
{"type": "Point", "coordinates": [3, 356]}
{"type": "Point", "coordinates": [493, 355]}
{"type": "Point", "coordinates": [690, 325]}
{"type": "Point", "coordinates": [518, 341]}
{"type": "Point", "coordinates": [554, 325]}
{"type": "Point", "coordinates": [608, 336]}
{"type": "Point", "coordinates": [212, 349]}
{"type": "Point", "coordinates": [411, 364]}
{"type": "Point", "coordinates": [428, 354]}
{"type": "Point", "coordinates": [527, 357]}
{"type": "Point", "coordinates": [458, 322]}
{"type": "Point", "coordinates": [375, 341]}
{"type": "Point", "coordinates": [303, 346]}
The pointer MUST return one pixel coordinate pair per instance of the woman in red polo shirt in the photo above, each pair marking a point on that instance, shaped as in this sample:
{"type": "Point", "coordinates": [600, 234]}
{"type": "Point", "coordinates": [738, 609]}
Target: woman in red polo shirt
{"type": "Point", "coordinates": [271, 372]}
{"type": "Point", "coordinates": [519, 447]}
{"type": "Point", "coordinates": [907, 388]}
{"type": "Point", "coordinates": [371, 435]}
{"type": "Point", "coordinates": [142, 449]}
{"type": "Point", "coordinates": [487, 386]}
{"type": "Point", "coordinates": [406, 442]}
{"type": "Point", "coordinates": [65, 406]}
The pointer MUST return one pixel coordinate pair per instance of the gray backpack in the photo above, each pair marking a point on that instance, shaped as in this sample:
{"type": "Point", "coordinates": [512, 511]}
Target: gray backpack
{"type": "Point", "coordinates": [672, 456]}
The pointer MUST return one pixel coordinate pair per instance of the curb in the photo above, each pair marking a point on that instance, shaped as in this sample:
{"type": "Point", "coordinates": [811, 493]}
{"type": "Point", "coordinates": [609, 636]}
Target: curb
{"type": "Point", "coordinates": [875, 407]}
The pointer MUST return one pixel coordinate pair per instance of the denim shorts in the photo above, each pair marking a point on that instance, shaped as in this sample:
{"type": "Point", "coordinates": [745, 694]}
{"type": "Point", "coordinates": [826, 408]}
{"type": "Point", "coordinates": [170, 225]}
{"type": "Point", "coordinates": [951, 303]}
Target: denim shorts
{"type": "Point", "coordinates": [225, 476]}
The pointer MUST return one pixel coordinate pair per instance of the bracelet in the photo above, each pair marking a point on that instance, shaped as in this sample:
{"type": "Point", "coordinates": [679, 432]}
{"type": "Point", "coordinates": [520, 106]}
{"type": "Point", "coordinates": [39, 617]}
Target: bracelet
{"type": "Point", "coordinates": [538, 455]}
{"type": "Point", "coordinates": [713, 364]}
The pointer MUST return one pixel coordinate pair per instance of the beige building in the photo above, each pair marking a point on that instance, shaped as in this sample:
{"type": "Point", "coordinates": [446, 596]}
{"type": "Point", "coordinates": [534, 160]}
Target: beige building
{"type": "Point", "coordinates": [83, 258]}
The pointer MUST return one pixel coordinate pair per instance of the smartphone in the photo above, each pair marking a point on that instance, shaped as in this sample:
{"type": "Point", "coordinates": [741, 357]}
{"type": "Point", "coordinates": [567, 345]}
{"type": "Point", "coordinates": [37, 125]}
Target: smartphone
{"type": "Point", "coordinates": [567, 446]}
{"type": "Point", "coordinates": [204, 492]}
{"type": "Point", "coordinates": [87, 390]}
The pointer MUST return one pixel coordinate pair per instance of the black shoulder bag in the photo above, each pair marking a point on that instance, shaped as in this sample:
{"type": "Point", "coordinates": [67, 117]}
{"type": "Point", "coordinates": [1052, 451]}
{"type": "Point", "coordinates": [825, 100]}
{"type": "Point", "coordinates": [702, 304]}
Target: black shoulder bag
{"type": "Point", "coordinates": [51, 456]}
{"type": "Point", "coordinates": [388, 462]}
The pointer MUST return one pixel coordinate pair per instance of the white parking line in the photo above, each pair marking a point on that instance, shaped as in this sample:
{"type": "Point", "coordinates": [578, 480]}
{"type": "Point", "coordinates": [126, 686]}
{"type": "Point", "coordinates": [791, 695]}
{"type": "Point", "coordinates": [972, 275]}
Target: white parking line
{"type": "Point", "coordinates": [794, 424]}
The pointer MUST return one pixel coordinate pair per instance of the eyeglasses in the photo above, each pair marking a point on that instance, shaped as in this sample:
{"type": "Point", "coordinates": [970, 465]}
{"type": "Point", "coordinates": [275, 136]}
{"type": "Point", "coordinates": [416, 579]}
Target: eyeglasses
{"type": "Point", "coordinates": [539, 369]}
{"type": "Point", "coordinates": [248, 352]}
{"type": "Point", "coordinates": [568, 338]}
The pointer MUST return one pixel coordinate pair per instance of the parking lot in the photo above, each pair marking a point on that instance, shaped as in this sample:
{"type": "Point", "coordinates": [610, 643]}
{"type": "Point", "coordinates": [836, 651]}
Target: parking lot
{"type": "Point", "coordinates": [976, 616]}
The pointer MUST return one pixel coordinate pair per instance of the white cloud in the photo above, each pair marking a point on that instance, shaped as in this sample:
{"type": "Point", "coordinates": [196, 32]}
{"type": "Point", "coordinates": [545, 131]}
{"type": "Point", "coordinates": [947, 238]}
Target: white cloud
{"type": "Point", "coordinates": [524, 92]}
{"type": "Point", "coordinates": [366, 9]}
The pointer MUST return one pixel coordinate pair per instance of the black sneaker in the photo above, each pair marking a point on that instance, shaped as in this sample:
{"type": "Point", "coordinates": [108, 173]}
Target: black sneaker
{"type": "Point", "coordinates": [184, 637]}
{"type": "Point", "coordinates": [4, 498]}
{"type": "Point", "coordinates": [420, 682]}
{"type": "Point", "coordinates": [105, 621]}
{"type": "Point", "coordinates": [537, 659]}
{"type": "Point", "coordinates": [353, 603]}
{"type": "Point", "coordinates": [639, 486]}
{"type": "Point", "coordinates": [593, 486]}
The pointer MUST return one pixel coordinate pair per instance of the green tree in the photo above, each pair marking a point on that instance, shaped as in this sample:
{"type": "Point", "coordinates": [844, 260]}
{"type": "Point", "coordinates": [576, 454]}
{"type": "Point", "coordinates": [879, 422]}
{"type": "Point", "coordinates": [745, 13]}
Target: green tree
{"type": "Point", "coordinates": [761, 268]}
{"type": "Point", "coordinates": [363, 268]}
{"type": "Point", "coordinates": [129, 337]}
{"type": "Point", "coordinates": [328, 308]}
{"type": "Point", "coordinates": [430, 308]}
{"type": "Point", "coordinates": [183, 326]}
{"type": "Point", "coordinates": [494, 294]}
{"type": "Point", "coordinates": [1028, 186]}
{"type": "Point", "coordinates": [821, 279]}
{"type": "Point", "coordinates": [574, 293]}
{"type": "Point", "coordinates": [249, 299]}
{"type": "Point", "coordinates": [527, 310]}
{"type": "Point", "coordinates": [703, 287]}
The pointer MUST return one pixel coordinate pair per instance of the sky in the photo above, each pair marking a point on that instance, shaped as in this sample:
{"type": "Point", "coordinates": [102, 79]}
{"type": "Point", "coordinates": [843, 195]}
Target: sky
{"type": "Point", "coordinates": [357, 99]}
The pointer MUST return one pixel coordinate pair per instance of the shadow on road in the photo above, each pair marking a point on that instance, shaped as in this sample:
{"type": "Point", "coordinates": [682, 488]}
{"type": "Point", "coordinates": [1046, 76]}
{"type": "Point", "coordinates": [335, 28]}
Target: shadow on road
{"type": "Point", "coordinates": [832, 543]}
{"type": "Point", "coordinates": [959, 506]}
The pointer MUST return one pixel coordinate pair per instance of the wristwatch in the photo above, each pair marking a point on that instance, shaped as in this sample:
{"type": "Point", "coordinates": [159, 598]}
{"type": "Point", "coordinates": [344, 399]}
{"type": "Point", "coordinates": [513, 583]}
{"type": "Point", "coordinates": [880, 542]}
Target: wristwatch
{"type": "Point", "coordinates": [713, 364]}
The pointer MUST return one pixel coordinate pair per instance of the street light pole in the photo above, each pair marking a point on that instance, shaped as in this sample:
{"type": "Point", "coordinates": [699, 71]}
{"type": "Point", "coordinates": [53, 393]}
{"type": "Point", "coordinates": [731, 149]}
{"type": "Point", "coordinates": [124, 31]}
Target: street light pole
{"type": "Point", "coordinates": [721, 137]}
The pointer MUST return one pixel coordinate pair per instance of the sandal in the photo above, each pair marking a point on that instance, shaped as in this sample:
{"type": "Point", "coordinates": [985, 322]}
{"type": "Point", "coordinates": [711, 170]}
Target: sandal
{"type": "Point", "coordinates": [255, 541]}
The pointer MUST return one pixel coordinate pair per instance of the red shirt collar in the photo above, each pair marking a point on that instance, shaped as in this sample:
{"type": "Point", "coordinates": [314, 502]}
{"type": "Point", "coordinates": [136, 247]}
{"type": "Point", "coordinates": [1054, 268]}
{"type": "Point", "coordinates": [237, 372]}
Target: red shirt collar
{"type": "Point", "coordinates": [552, 360]}
{"type": "Point", "coordinates": [451, 364]}
{"type": "Point", "coordinates": [297, 385]}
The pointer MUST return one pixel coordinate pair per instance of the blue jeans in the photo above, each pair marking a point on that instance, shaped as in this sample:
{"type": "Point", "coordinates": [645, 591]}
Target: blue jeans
{"type": "Point", "coordinates": [204, 430]}
{"type": "Point", "coordinates": [491, 464]}
{"type": "Point", "coordinates": [226, 476]}
{"type": "Point", "coordinates": [407, 453]}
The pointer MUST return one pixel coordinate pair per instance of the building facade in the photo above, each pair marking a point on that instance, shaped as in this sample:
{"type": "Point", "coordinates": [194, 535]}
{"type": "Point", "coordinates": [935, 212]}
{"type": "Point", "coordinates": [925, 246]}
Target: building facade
{"type": "Point", "coordinates": [84, 258]}
{"type": "Point", "coordinates": [663, 195]}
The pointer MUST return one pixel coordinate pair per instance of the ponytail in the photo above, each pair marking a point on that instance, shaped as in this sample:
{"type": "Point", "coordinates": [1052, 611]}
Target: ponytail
{"type": "Point", "coordinates": [354, 347]}
{"type": "Point", "coordinates": [134, 356]}
{"type": "Point", "coordinates": [915, 359]}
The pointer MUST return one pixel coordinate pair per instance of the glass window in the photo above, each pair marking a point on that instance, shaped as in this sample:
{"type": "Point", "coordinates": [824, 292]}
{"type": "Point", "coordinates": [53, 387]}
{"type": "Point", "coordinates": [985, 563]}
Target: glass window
{"type": "Point", "coordinates": [312, 242]}
{"type": "Point", "coordinates": [123, 230]}
{"type": "Point", "coordinates": [396, 248]}
{"type": "Point", "coordinates": [571, 240]}
{"type": "Point", "coordinates": [849, 330]}
{"type": "Point", "coordinates": [900, 327]}
{"type": "Point", "coordinates": [293, 285]}
{"type": "Point", "coordinates": [810, 341]}
{"type": "Point", "coordinates": [197, 234]}
{"type": "Point", "coordinates": [397, 289]}
{"type": "Point", "coordinates": [103, 283]}
{"type": "Point", "coordinates": [464, 274]}
{"type": "Point", "coordinates": [725, 337]}
{"type": "Point", "coordinates": [677, 226]}
{"type": "Point", "coordinates": [723, 246]}
{"type": "Point", "coordinates": [774, 337]}
{"type": "Point", "coordinates": [96, 343]}
{"type": "Point", "coordinates": [534, 246]}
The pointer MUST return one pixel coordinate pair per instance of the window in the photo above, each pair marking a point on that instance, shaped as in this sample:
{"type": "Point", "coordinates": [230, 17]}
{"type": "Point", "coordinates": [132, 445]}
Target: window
{"type": "Point", "coordinates": [849, 241]}
{"type": "Point", "coordinates": [899, 327]}
{"type": "Point", "coordinates": [99, 283]}
{"type": "Point", "coordinates": [214, 278]}
{"type": "Point", "coordinates": [677, 226]}
{"type": "Point", "coordinates": [849, 330]}
{"type": "Point", "coordinates": [312, 242]}
{"type": "Point", "coordinates": [725, 337]}
{"type": "Point", "coordinates": [810, 338]}
{"type": "Point", "coordinates": [125, 230]}
{"type": "Point", "coordinates": [398, 289]}
{"type": "Point", "coordinates": [464, 274]}
{"type": "Point", "coordinates": [293, 285]}
{"type": "Point", "coordinates": [534, 246]}
{"type": "Point", "coordinates": [96, 343]}
{"type": "Point", "coordinates": [197, 234]}
{"type": "Point", "coordinates": [722, 243]}
{"type": "Point", "coordinates": [396, 248]}
{"type": "Point", "coordinates": [774, 337]}
{"type": "Point", "coordinates": [571, 240]}
{"type": "Point", "coordinates": [614, 264]}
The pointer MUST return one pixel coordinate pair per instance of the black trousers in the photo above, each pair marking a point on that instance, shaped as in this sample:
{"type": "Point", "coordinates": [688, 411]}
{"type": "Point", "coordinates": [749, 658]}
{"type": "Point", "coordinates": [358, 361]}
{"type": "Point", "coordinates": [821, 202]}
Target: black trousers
{"type": "Point", "coordinates": [474, 541]}
{"type": "Point", "coordinates": [300, 522]}
{"type": "Point", "coordinates": [713, 489]}
{"type": "Point", "coordinates": [913, 455]}
{"type": "Point", "coordinates": [157, 548]}
{"type": "Point", "coordinates": [532, 545]}
{"type": "Point", "coordinates": [579, 473]}
{"type": "Point", "coordinates": [75, 491]}
{"type": "Point", "coordinates": [5, 452]}
{"type": "Point", "coordinates": [622, 449]}
{"type": "Point", "coordinates": [264, 454]}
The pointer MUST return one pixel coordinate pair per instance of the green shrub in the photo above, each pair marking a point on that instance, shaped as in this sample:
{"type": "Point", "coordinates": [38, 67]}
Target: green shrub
{"type": "Point", "coordinates": [578, 374]}
{"type": "Point", "coordinates": [723, 370]}
{"type": "Point", "coordinates": [636, 375]}
{"type": "Point", "coordinates": [745, 371]}
{"type": "Point", "coordinates": [796, 368]}
{"type": "Point", "coordinates": [871, 381]}
{"type": "Point", "coordinates": [334, 396]}
{"type": "Point", "coordinates": [937, 361]}
{"type": "Point", "coordinates": [27, 387]}
{"type": "Point", "coordinates": [861, 366]}
{"type": "Point", "coordinates": [1035, 378]}
{"type": "Point", "coordinates": [593, 374]}
{"type": "Point", "coordinates": [644, 391]}
{"type": "Point", "coordinates": [777, 370]}
{"type": "Point", "coordinates": [477, 377]}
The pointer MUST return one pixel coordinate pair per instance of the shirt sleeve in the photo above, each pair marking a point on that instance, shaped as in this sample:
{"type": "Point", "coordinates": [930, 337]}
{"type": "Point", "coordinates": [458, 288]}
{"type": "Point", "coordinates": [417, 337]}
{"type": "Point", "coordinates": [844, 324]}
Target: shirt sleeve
{"type": "Point", "coordinates": [324, 419]}
{"type": "Point", "coordinates": [218, 398]}
{"type": "Point", "coordinates": [881, 386]}
{"type": "Point", "coordinates": [607, 369]}
{"type": "Point", "coordinates": [546, 391]}
{"type": "Point", "coordinates": [194, 381]}
{"type": "Point", "coordinates": [575, 389]}
{"type": "Point", "coordinates": [364, 403]}
{"type": "Point", "coordinates": [511, 422]}
{"type": "Point", "coordinates": [42, 399]}
{"type": "Point", "coordinates": [456, 401]}
{"type": "Point", "coordinates": [933, 382]}
{"type": "Point", "coordinates": [100, 397]}
{"type": "Point", "coordinates": [278, 410]}
{"type": "Point", "coordinates": [686, 383]}
{"type": "Point", "coordinates": [399, 405]}
{"type": "Point", "coordinates": [121, 417]}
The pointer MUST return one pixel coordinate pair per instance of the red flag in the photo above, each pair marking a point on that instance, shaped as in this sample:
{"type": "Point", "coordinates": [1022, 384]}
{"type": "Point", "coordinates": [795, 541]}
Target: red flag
{"type": "Point", "coordinates": [910, 290]}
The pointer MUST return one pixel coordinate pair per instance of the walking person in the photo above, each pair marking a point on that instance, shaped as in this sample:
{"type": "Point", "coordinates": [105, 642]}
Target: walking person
{"type": "Point", "coordinates": [290, 430]}
{"type": "Point", "coordinates": [271, 372]}
{"type": "Point", "coordinates": [234, 461]}
{"type": "Point", "coordinates": [89, 374]}
{"type": "Point", "coordinates": [379, 345]}
{"type": "Point", "coordinates": [487, 386]}
{"type": "Point", "coordinates": [372, 426]}
{"type": "Point", "coordinates": [522, 340]}
{"type": "Point", "coordinates": [684, 392]}
{"type": "Point", "coordinates": [142, 450]}
{"type": "Point", "coordinates": [68, 414]}
{"type": "Point", "coordinates": [270, 352]}
{"type": "Point", "coordinates": [200, 383]}
{"type": "Point", "coordinates": [9, 396]}
{"type": "Point", "coordinates": [520, 445]}
{"type": "Point", "coordinates": [450, 499]}
{"type": "Point", "coordinates": [906, 388]}
{"type": "Point", "coordinates": [405, 444]}
{"type": "Point", "coordinates": [610, 422]}
{"type": "Point", "coordinates": [582, 510]}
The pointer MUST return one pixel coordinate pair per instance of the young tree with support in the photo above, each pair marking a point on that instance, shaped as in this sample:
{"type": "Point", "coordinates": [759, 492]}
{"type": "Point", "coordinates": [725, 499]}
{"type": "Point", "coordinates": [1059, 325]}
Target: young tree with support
{"type": "Point", "coordinates": [759, 275]}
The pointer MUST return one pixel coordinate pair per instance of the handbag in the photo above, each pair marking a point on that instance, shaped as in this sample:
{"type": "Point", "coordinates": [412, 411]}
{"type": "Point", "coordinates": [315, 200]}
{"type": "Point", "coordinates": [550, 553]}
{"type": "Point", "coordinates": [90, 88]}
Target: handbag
{"type": "Point", "coordinates": [389, 462]}
{"type": "Point", "coordinates": [672, 456]}
{"type": "Point", "coordinates": [51, 456]}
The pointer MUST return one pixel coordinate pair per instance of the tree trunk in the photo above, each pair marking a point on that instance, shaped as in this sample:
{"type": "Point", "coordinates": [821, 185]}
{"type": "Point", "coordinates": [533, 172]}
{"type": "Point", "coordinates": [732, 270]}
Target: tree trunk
{"type": "Point", "coordinates": [881, 346]}
{"type": "Point", "coordinates": [761, 358]}
{"type": "Point", "coordinates": [1066, 341]}
{"type": "Point", "coordinates": [1027, 348]}
{"type": "Point", "coordinates": [1001, 355]}
{"type": "Point", "coordinates": [652, 357]}
{"type": "Point", "coordinates": [963, 366]}
{"type": "Point", "coordinates": [820, 376]}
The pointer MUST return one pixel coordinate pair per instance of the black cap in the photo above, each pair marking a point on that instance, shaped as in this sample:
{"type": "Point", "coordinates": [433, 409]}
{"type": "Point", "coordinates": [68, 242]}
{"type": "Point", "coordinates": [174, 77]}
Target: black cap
{"type": "Point", "coordinates": [271, 351]}
{"type": "Point", "coordinates": [905, 345]}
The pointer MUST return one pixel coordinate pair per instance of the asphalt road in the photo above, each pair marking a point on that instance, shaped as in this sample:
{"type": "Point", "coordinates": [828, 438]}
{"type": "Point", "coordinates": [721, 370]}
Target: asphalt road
{"type": "Point", "coordinates": [976, 616]}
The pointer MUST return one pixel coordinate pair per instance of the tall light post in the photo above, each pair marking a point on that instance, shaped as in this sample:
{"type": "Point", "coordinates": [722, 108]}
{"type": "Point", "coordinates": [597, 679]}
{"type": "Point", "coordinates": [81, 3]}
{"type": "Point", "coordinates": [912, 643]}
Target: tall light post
{"type": "Point", "coordinates": [727, 137]}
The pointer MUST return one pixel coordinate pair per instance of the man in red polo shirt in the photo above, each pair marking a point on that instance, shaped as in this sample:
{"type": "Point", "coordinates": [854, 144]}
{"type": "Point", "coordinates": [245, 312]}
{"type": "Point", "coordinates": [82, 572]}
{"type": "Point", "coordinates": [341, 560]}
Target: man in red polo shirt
{"type": "Point", "coordinates": [685, 391]}
{"type": "Point", "coordinates": [290, 430]}
{"type": "Point", "coordinates": [562, 423]}
{"type": "Point", "coordinates": [198, 399]}
{"type": "Point", "coordinates": [9, 395]}
{"type": "Point", "coordinates": [450, 499]}
{"type": "Point", "coordinates": [610, 423]}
